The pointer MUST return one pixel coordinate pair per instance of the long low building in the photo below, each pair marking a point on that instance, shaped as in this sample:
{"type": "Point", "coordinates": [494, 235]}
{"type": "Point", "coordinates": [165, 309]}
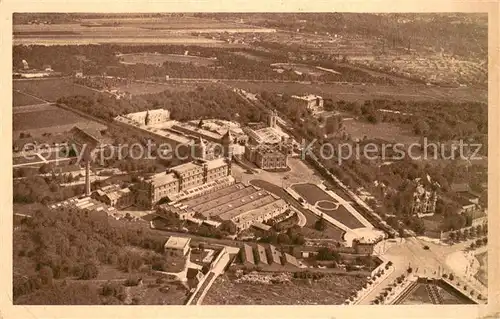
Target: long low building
{"type": "Point", "coordinates": [243, 205]}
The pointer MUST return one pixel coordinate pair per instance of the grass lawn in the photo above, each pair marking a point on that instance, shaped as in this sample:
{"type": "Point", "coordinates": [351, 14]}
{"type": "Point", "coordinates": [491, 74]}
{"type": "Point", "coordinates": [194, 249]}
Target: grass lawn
{"type": "Point", "coordinates": [313, 194]}
{"type": "Point", "coordinates": [331, 232]}
{"type": "Point", "coordinates": [482, 274]}
{"type": "Point", "coordinates": [386, 131]}
{"type": "Point", "coordinates": [418, 296]}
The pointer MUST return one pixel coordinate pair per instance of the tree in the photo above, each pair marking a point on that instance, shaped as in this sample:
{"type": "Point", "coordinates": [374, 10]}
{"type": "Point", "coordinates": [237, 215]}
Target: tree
{"type": "Point", "coordinates": [421, 127]}
{"type": "Point", "coordinates": [453, 236]}
{"type": "Point", "coordinates": [320, 224]}
{"type": "Point", "coordinates": [283, 239]}
{"type": "Point", "coordinates": [90, 271]}
{"type": "Point", "coordinates": [44, 169]}
{"type": "Point", "coordinates": [46, 275]}
{"type": "Point", "coordinates": [228, 226]}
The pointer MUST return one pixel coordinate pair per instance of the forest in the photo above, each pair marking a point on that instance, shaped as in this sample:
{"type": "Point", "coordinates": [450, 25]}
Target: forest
{"type": "Point", "coordinates": [104, 59]}
{"type": "Point", "coordinates": [210, 101]}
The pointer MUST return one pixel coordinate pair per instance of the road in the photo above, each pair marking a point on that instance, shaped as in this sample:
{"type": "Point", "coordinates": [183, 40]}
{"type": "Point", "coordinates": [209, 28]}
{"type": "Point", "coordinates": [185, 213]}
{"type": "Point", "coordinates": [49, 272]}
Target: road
{"type": "Point", "coordinates": [410, 253]}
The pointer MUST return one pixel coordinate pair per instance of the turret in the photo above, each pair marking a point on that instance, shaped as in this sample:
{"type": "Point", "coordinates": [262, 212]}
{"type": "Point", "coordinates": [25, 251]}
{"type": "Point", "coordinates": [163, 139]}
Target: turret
{"type": "Point", "coordinates": [227, 142]}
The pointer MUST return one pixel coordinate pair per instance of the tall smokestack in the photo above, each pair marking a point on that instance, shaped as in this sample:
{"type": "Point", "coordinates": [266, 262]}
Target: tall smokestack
{"type": "Point", "coordinates": [87, 178]}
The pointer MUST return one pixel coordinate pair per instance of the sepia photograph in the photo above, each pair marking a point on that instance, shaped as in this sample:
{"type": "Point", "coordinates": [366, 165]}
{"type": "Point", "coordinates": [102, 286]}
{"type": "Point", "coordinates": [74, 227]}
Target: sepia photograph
{"type": "Point", "coordinates": [243, 158]}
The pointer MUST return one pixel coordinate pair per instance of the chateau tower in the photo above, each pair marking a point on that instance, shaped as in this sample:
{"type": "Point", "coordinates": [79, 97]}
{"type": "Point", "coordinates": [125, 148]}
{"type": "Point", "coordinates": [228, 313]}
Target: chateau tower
{"type": "Point", "coordinates": [227, 143]}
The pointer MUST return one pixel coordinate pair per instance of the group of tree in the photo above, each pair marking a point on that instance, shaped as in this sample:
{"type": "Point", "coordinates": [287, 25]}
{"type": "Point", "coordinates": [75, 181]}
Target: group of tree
{"type": "Point", "coordinates": [210, 101]}
{"type": "Point", "coordinates": [56, 244]}
{"type": "Point", "coordinates": [469, 233]}
{"type": "Point", "coordinates": [292, 236]}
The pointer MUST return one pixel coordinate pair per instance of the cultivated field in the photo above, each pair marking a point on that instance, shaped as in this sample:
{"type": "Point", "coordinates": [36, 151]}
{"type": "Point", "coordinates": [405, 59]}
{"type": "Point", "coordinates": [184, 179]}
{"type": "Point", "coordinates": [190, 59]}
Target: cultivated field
{"type": "Point", "coordinates": [47, 119]}
{"type": "Point", "coordinates": [20, 99]}
{"type": "Point", "coordinates": [159, 59]}
{"type": "Point", "coordinates": [166, 30]}
{"type": "Point", "coordinates": [330, 290]}
{"type": "Point", "coordinates": [359, 92]}
{"type": "Point", "coordinates": [51, 89]}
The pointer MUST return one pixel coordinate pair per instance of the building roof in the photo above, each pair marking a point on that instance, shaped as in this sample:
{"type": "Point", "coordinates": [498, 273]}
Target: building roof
{"type": "Point", "coordinates": [261, 252]}
{"type": "Point", "coordinates": [87, 136]}
{"type": "Point", "coordinates": [213, 195]}
{"type": "Point", "coordinates": [216, 163]}
{"type": "Point", "coordinates": [134, 116]}
{"type": "Point", "coordinates": [194, 130]}
{"type": "Point", "coordinates": [274, 255]}
{"type": "Point", "coordinates": [186, 167]}
{"type": "Point", "coordinates": [225, 202]}
{"type": "Point", "coordinates": [289, 259]}
{"type": "Point", "coordinates": [246, 205]}
{"type": "Point", "coordinates": [247, 253]}
{"type": "Point", "coordinates": [228, 136]}
{"type": "Point", "coordinates": [177, 242]}
{"type": "Point", "coordinates": [459, 187]}
{"type": "Point", "coordinates": [84, 203]}
{"type": "Point", "coordinates": [261, 226]}
{"type": "Point", "coordinates": [162, 178]}
{"type": "Point", "coordinates": [254, 214]}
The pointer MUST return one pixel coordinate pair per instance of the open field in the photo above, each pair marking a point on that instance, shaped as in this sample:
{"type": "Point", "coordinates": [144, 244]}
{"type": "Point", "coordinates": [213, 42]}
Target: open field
{"type": "Point", "coordinates": [47, 119]}
{"type": "Point", "coordinates": [165, 23]}
{"type": "Point", "coordinates": [159, 59]}
{"type": "Point", "coordinates": [20, 99]}
{"type": "Point", "coordinates": [140, 88]}
{"type": "Point", "coordinates": [51, 89]}
{"type": "Point", "coordinates": [171, 30]}
{"type": "Point", "coordinates": [315, 196]}
{"type": "Point", "coordinates": [358, 92]}
{"type": "Point", "coordinates": [482, 274]}
{"type": "Point", "coordinates": [330, 290]}
{"type": "Point", "coordinates": [386, 131]}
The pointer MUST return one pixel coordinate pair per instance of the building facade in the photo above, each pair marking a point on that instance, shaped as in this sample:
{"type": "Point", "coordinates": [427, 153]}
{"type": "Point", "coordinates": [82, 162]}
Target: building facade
{"type": "Point", "coordinates": [313, 103]}
{"type": "Point", "coordinates": [114, 196]}
{"type": "Point", "coordinates": [268, 157]}
{"type": "Point", "coordinates": [179, 178]}
{"type": "Point", "coordinates": [424, 201]}
{"type": "Point", "coordinates": [177, 246]}
{"type": "Point", "coordinates": [150, 117]}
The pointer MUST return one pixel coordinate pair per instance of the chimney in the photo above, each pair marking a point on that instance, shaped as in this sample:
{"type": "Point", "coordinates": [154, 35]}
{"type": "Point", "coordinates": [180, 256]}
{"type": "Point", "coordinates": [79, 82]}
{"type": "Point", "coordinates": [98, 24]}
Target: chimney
{"type": "Point", "coordinates": [87, 178]}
